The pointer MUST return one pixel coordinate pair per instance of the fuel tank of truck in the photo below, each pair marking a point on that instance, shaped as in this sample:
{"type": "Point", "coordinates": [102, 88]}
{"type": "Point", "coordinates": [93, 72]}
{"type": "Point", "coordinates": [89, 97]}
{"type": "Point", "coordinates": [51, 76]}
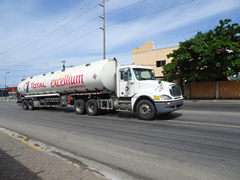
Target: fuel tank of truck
{"type": "Point", "coordinates": [91, 77]}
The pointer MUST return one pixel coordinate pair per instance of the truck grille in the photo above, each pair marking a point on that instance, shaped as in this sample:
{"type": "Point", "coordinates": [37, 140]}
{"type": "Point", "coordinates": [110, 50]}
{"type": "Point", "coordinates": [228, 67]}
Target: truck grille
{"type": "Point", "coordinates": [175, 90]}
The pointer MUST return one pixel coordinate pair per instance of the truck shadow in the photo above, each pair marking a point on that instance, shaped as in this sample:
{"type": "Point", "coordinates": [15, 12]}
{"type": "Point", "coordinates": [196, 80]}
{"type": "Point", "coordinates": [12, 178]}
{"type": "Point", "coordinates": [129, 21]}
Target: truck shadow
{"type": "Point", "coordinates": [165, 117]}
{"type": "Point", "coordinates": [61, 109]}
{"type": "Point", "coordinates": [120, 114]}
{"type": "Point", "coordinates": [130, 115]}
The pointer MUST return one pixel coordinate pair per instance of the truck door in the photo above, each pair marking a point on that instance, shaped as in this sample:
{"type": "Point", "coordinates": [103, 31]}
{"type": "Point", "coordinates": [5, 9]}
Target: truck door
{"type": "Point", "coordinates": [126, 83]}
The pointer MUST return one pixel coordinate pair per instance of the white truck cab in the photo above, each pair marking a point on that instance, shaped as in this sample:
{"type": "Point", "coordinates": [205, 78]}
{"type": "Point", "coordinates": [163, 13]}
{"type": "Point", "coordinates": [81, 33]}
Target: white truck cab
{"type": "Point", "coordinates": [148, 96]}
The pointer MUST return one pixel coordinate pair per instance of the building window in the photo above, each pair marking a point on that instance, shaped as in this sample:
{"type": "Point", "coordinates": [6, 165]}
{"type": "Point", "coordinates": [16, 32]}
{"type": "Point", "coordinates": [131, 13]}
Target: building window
{"type": "Point", "coordinates": [160, 63]}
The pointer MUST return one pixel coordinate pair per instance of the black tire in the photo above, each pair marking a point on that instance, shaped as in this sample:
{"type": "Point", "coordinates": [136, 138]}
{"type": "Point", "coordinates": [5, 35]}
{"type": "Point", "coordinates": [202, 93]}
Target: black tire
{"type": "Point", "coordinates": [25, 104]}
{"type": "Point", "coordinates": [146, 110]}
{"type": "Point", "coordinates": [30, 105]}
{"type": "Point", "coordinates": [92, 107]}
{"type": "Point", "coordinates": [80, 107]}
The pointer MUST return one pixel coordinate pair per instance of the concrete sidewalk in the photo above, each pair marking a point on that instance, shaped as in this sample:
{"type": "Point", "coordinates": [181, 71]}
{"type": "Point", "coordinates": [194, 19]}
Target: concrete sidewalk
{"type": "Point", "coordinates": [20, 161]}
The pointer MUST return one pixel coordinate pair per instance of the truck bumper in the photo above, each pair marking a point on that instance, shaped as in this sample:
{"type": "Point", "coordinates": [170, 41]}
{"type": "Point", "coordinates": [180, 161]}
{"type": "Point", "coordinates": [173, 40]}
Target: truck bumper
{"type": "Point", "coordinates": [168, 106]}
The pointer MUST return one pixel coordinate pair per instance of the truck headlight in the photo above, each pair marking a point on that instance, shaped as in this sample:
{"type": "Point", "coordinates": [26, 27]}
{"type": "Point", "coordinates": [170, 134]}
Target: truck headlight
{"type": "Point", "coordinates": [165, 97]}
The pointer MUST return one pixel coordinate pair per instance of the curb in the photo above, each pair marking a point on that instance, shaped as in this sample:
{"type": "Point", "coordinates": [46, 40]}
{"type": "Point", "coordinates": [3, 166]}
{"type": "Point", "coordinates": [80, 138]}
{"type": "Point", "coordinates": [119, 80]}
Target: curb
{"type": "Point", "coordinates": [33, 146]}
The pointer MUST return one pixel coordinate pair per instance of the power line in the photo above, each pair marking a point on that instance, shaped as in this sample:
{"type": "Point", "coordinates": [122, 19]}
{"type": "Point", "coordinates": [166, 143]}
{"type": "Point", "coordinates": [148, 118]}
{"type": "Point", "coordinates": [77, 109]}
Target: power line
{"type": "Point", "coordinates": [149, 13]}
{"type": "Point", "coordinates": [52, 31]}
{"type": "Point", "coordinates": [43, 31]}
{"type": "Point", "coordinates": [67, 33]}
{"type": "Point", "coordinates": [55, 48]}
{"type": "Point", "coordinates": [126, 7]}
{"type": "Point", "coordinates": [97, 29]}
{"type": "Point", "coordinates": [55, 40]}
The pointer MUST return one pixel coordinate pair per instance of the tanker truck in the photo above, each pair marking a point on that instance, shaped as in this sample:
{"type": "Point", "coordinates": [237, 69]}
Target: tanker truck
{"type": "Point", "coordinates": [102, 85]}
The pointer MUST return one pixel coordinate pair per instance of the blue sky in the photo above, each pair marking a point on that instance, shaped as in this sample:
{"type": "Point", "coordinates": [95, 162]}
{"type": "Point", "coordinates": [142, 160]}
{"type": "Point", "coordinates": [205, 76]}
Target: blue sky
{"type": "Point", "coordinates": [36, 35]}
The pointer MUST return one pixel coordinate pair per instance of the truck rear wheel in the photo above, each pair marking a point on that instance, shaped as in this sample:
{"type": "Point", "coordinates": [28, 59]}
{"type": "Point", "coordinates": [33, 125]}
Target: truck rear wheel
{"type": "Point", "coordinates": [146, 110]}
{"type": "Point", "coordinates": [92, 107]}
{"type": "Point", "coordinates": [30, 105]}
{"type": "Point", "coordinates": [25, 104]}
{"type": "Point", "coordinates": [80, 107]}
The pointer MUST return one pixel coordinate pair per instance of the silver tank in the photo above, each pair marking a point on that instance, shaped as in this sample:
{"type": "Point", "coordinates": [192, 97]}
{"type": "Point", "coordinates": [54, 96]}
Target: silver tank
{"type": "Point", "coordinates": [91, 77]}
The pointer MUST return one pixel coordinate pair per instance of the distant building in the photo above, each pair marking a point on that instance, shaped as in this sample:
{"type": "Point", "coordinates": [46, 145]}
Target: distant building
{"type": "Point", "coordinates": [12, 92]}
{"type": "Point", "coordinates": [155, 58]}
{"type": "Point", "coordinates": [3, 92]}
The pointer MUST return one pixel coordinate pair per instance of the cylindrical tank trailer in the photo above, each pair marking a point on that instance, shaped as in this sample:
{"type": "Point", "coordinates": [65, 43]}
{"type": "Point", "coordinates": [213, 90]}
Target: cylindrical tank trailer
{"type": "Point", "coordinates": [92, 77]}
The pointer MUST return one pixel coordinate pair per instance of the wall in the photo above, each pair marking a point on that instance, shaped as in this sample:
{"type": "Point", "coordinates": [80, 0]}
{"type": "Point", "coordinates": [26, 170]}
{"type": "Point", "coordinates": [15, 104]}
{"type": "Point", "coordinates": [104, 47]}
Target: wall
{"type": "Point", "coordinates": [229, 89]}
{"type": "Point", "coordinates": [213, 90]}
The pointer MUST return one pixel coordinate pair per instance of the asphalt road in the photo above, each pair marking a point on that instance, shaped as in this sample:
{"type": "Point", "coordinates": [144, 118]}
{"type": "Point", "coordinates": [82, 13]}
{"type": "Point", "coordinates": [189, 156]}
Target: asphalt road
{"type": "Point", "coordinates": [201, 141]}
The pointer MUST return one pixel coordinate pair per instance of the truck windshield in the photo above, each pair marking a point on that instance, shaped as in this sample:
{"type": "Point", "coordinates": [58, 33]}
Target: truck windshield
{"type": "Point", "coordinates": [144, 74]}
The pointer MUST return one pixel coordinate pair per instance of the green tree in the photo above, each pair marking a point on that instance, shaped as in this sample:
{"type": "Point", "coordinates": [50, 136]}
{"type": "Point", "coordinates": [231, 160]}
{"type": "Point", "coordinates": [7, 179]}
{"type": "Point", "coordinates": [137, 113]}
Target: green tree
{"type": "Point", "coordinates": [213, 55]}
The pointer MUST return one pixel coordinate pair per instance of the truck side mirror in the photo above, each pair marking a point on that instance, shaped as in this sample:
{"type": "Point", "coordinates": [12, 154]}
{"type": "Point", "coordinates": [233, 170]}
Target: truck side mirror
{"type": "Point", "coordinates": [125, 74]}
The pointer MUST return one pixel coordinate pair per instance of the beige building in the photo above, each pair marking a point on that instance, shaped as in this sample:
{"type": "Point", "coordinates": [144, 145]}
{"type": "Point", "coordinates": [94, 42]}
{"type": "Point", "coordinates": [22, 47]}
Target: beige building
{"type": "Point", "coordinates": [155, 58]}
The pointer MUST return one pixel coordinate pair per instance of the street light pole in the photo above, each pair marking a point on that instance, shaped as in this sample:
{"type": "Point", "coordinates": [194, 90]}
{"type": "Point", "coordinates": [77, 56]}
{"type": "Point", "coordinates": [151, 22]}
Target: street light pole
{"type": "Point", "coordinates": [5, 79]}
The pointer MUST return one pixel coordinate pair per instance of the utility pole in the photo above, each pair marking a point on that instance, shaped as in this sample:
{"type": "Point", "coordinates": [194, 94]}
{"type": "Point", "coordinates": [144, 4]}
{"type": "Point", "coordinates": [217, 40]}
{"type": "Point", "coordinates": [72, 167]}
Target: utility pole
{"type": "Point", "coordinates": [103, 28]}
{"type": "Point", "coordinates": [63, 64]}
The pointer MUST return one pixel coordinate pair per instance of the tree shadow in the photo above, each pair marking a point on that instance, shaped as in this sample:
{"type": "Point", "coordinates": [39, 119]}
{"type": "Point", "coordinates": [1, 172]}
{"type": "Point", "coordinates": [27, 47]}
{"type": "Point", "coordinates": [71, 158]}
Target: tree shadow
{"type": "Point", "coordinates": [10, 168]}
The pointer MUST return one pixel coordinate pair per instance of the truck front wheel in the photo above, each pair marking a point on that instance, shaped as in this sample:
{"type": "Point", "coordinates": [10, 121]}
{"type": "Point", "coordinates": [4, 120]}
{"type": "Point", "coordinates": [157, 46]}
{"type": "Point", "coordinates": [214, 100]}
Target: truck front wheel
{"type": "Point", "coordinates": [146, 110]}
{"type": "Point", "coordinates": [80, 107]}
{"type": "Point", "coordinates": [92, 107]}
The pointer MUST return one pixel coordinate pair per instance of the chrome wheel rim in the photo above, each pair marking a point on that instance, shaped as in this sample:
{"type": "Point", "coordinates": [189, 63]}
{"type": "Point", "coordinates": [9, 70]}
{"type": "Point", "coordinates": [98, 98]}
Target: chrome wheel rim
{"type": "Point", "coordinates": [145, 110]}
{"type": "Point", "coordinates": [79, 107]}
{"type": "Point", "coordinates": [91, 108]}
